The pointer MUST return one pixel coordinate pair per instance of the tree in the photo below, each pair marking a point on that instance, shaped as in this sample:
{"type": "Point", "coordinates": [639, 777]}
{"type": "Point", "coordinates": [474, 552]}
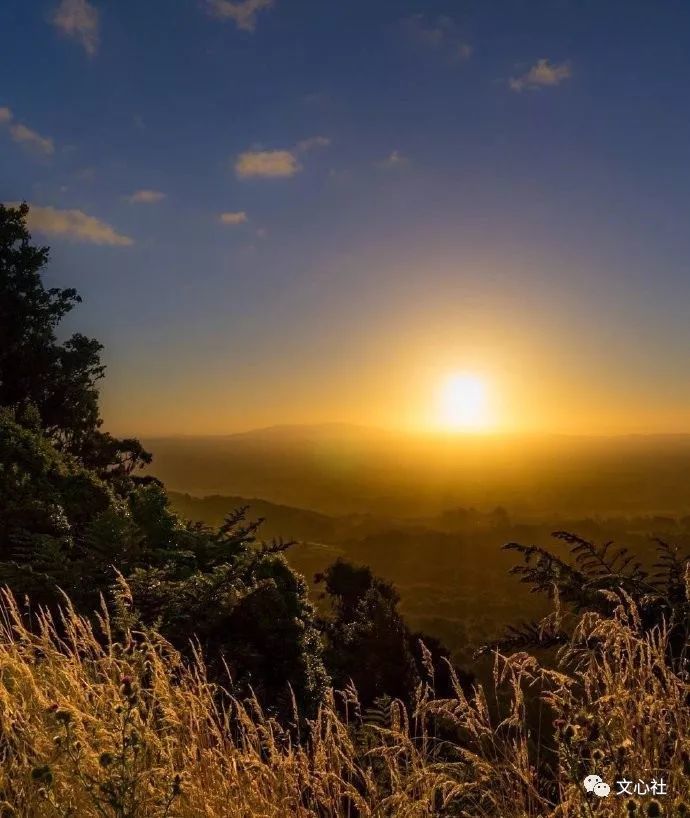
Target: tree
{"type": "Point", "coordinates": [73, 517]}
{"type": "Point", "coordinates": [369, 644]}
{"type": "Point", "coordinates": [47, 503]}
{"type": "Point", "coordinates": [59, 379]}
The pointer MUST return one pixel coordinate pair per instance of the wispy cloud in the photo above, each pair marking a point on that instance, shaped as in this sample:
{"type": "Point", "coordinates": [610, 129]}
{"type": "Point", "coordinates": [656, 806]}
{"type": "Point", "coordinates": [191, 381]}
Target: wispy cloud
{"type": "Point", "coordinates": [312, 143]}
{"type": "Point", "coordinates": [20, 133]}
{"type": "Point", "coordinates": [395, 159]}
{"type": "Point", "coordinates": [80, 20]}
{"type": "Point", "coordinates": [543, 74]}
{"type": "Point", "coordinates": [145, 197]}
{"type": "Point", "coordinates": [440, 34]}
{"type": "Point", "coordinates": [26, 136]}
{"type": "Point", "coordinates": [74, 225]}
{"type": "Point", "coordinates": [238, 217]}
{"type": "Point", "coordinates": [242, 12]}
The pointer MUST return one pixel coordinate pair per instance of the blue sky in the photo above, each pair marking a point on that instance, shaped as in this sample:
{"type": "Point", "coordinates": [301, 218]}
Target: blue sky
{"type": "Point", "coordinates": [409, 189]}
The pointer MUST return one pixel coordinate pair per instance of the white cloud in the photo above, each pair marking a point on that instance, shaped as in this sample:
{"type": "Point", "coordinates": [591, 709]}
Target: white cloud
{"type": "Point", "coordinates": [268, 164]}
{"type": "Point", "coordinates": [242, 12]}
{"type": "Point", "coordinates": [543, 74]}
{"type": "Point", "coordinates": [440, 34]}
{"type": "Point", "coordinates": [313, 142]}
{"type": "Point", "coordinates": [395, 159]}
{"type": "Point", "coordinates": [74, 225]}
{"type": "Point", "coordinates": [80, 20]}
{"type": "Point", "coordinates": [145, 197]}
{"type": "Point", "coordinates": [277, 163]}
{"type": "Point", "coordinates": [239, 217]}
{"type": "Point", "coordinates": [24, 135]}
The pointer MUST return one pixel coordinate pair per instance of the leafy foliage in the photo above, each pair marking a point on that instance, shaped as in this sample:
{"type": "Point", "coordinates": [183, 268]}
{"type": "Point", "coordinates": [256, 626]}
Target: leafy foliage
{"type": "Point", "coordinates": [62, 527]}
{"type": "Point", "coordinates": [584, 577]}
{"type": "Point", "coordinates": [59, 380]}
{"type": "Point", "coordinates": [244, 607]}
{"type": "Point", "coordinates": [368, 644]}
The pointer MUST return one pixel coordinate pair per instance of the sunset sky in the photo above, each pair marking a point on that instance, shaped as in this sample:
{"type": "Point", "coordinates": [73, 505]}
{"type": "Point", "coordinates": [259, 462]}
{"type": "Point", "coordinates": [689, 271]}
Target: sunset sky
{"type": "Point", "coordinates": [300, 212]}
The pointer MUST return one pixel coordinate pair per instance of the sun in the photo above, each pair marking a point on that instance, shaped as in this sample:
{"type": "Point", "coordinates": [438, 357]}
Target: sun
{"type": "Point", "coordinates": [462, 403]}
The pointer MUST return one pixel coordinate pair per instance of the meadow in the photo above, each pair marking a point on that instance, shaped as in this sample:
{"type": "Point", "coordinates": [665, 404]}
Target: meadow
{"type": "Point", "coordinates": [97, 724]}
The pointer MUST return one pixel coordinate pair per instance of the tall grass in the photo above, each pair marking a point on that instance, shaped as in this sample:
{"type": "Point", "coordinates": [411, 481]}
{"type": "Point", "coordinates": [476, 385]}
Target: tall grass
{"type": "Point", "coordinates": [104, 726]}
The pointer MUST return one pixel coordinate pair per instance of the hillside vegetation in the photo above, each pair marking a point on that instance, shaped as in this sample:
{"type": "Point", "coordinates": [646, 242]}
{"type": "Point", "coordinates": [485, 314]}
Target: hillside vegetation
{"type": "Point", "coordinates": [97, 725]}
{"type": "Point", "coordinates": [452, 576]}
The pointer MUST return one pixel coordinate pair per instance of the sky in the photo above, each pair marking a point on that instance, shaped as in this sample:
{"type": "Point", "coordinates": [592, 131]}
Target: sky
{"type": "Point", "coordinates": [308, 211]}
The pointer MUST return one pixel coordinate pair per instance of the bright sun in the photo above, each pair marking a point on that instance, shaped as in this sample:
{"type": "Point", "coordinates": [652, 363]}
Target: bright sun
{"type": "Point", "coordinates": [462, 403]}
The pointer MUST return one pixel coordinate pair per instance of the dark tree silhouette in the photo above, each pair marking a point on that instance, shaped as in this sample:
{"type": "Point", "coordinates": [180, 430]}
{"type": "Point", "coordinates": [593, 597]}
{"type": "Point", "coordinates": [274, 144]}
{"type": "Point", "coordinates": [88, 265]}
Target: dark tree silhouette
{"type": "Point", "coordinates": [59, 379]}
{"type": "Point", "coordinates": [369, 644]}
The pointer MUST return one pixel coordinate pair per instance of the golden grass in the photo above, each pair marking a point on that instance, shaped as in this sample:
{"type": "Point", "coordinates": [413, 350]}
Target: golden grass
{"type": "Point", "coordinates": [97, 726]}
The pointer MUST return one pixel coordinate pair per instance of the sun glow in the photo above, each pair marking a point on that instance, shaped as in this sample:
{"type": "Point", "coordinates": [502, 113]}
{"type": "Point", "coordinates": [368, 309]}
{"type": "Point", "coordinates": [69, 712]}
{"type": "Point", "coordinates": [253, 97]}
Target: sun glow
{"type": "Point", "coordinates": [462, 403]}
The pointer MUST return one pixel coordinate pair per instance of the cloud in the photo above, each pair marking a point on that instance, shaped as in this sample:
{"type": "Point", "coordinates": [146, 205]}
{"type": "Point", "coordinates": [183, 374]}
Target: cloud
{"type": "Point", "coordinates": [543, 74]}
{"type": "Point", "coordinates": [74, 225]}
{"type": "Point", "coordinates": [440, 34]}
{"type": "Point", "coordinates": [395, 159]}
{"type": "Point", "coordinates": [242, 12]}
{"type": "Point", "coordinates": [267, 164]}
{"type": "Point", "coordinates": [239, 217]}
{"type": "Point", "coordinates": [313, 142]}
{"type": "Point", "coordinates": [80, 20]}
{"type": "Point", "coordinates": [25, 136]}
{"type": "Point", "coordinates": [277, 163]}
{"type": "Point", "coordinates": [145, 197]}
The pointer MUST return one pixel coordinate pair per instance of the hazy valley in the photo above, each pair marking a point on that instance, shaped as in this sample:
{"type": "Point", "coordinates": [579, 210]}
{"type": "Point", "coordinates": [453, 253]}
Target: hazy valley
{"type": "Point", "coordinates": [435, 531]}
